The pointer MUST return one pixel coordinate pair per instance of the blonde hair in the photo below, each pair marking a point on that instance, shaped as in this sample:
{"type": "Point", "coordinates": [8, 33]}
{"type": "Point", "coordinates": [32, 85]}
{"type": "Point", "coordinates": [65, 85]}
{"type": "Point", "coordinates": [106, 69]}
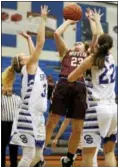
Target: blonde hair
{"type": "Point", "coordinates": [16, 64]}
{"type": "Point", "coordinates": [8, 77]}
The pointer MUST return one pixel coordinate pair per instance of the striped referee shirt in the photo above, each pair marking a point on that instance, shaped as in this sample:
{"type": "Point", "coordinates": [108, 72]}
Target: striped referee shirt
{"type": "Point", "coordinates": [9, 106]}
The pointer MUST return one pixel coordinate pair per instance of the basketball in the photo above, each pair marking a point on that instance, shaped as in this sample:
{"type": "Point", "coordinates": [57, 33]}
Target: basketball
{"type": "Point", "coordinates": [4, 16]}
{"type": "Point", "coordinates": [16, 17]}
{"type": "Point", "coordinates": [72, 12]}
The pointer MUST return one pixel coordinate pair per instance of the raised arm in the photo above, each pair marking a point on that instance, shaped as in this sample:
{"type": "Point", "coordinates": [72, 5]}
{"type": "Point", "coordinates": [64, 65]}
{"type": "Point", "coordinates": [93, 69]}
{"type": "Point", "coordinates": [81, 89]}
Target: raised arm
{"type": "Point", "coordinates": [60, 44]}
{"type": "Point", "coordinates": [94, 19]}
{"type": "Point", "coordinates": [96, 27]}
{"type": "Point", "coordinates": [89, 14]}
{"type": "Point", "coordinates": [29, 41]}
{"type": "Point", "coordinates": [99, 30]}
{"type": "Point", "coordinates": [97, 17]}
{"type": "Point", "coordinates": [33, 61]}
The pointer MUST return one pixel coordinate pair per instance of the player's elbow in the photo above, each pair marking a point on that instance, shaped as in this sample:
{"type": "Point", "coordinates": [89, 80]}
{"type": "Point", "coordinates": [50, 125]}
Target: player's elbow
{"type": "Point", "coordinates": [56, 34]}
{"type": "Point", "coordinates": [42, 41]}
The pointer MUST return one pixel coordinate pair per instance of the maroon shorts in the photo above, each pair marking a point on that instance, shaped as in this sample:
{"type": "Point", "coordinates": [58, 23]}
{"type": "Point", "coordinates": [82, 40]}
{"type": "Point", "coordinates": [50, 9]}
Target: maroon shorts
{"type": "Point", "coordinates": [69, 99]}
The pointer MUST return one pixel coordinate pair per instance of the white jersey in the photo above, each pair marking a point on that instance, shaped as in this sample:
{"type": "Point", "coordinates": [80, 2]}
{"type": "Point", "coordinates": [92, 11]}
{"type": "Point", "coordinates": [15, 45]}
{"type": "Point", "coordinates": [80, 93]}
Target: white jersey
{"type": "Point", "coordinates": [34, 90]}
{"type": "Point", "coordinates": [101, 82]}
{"type": "Point", "coordinates": [101, 115]}
{"type": "Point", "coordinates": [29, 124]}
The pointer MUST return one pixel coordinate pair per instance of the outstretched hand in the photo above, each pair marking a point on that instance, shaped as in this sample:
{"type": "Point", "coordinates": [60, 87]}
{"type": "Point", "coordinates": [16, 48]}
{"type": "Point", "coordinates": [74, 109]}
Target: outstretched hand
{"type": "Point", "coordinates": [97, 15]}
{"type": "Point", "coordinates": [89, 13]}
{"type": "Point", "coordinates": [93, 15]}
{"type": "Point", "coordinates": [23, 34]}
{"type": "Point", "coordinates": [44, 11]}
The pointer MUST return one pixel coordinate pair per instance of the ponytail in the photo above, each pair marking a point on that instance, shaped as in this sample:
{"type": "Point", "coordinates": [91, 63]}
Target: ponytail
{"type": "Point", "coordinates": [8, 77]}
{"type": "Point", "coordinates": [16, 64]}
{"type": "Point", "coordinates": [100, 55]}
{"type": "Point", "coordinates": [105, 43]}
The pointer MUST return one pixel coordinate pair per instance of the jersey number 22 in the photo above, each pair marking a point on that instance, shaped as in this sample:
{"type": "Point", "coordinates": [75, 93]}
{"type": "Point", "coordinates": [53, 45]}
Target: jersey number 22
{"type": "Point", "coordinates": [111, 78]}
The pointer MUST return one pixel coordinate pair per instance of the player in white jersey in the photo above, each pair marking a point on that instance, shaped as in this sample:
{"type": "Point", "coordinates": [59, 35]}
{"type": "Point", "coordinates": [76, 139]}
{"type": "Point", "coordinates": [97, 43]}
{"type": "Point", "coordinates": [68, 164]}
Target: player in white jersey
{"type": "Point", "coordinates": [29, 125]}
{"type": "Point", "coordinates": [102, 109]}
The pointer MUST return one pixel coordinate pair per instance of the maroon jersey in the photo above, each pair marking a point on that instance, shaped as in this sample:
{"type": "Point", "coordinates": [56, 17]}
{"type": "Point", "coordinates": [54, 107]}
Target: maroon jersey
{"type": "Point", "coordinates": [70, 61]}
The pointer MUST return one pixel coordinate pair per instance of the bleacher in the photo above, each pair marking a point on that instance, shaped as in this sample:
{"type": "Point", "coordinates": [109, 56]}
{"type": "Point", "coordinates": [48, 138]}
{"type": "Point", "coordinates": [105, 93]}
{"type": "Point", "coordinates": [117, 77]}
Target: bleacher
{"type": "Point", "coordinates": [49, 67]}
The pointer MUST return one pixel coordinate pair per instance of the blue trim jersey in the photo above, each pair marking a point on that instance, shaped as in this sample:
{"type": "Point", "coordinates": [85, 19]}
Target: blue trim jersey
{"type": "Point", "coordinates": [101, 115]}
{"type": "Point", "coordinates": [34, 91]}
{"type": "Point", "coordinates": [29, 124]}
{"type": "Point", "coordinates": [101, 82]}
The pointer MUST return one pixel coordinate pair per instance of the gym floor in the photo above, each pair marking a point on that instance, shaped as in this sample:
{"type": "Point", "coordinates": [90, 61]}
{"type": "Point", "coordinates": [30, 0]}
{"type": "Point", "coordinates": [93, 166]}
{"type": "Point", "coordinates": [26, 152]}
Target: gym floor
{"type": "Point", "coordinates": [54, 161]}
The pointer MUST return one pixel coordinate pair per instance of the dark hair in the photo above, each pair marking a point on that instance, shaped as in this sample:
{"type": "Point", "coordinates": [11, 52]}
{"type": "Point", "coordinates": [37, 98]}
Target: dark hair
{"type": "Point", "coordinates": [105, 42]}
{"type": "Point", "coordinates": [86, 45]}
{"type": "Point", "coordinates": [16, 64]}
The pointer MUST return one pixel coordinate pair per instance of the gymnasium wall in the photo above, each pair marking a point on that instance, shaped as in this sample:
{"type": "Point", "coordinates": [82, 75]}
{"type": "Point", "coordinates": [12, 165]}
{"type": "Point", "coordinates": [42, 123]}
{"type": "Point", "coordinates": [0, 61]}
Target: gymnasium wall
{"type": "Point", "coordinates": [12, 43]}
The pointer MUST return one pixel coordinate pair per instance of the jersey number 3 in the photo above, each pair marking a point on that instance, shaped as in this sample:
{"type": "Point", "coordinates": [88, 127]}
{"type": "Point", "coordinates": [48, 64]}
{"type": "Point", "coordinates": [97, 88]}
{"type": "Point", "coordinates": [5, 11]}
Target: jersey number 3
{"type": "Point", "coordinates": [110, 72]}
{"type": "Point", "coordinates": [44, 91]}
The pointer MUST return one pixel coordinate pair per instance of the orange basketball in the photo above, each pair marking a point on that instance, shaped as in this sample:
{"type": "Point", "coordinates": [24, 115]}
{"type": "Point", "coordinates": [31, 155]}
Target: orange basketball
{"type": "Point", "coordinates": [72, 12]}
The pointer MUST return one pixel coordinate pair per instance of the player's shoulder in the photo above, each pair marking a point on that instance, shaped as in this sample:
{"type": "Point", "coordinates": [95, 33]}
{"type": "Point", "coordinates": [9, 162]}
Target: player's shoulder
{"type": "Point", "coordinates": [39, 70]}
{"type": "Point", "coordinates": [68, 52]}
{"type": "Point", "coordinates": [23, 71]}
{"type": "Point", "coordinates": [111, 58]}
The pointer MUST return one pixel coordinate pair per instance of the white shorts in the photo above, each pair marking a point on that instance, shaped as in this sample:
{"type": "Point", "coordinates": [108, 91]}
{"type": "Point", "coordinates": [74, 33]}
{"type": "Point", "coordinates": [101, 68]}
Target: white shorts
{"type": "Point", "coordinates": [100, 123]}
{"type": "Point", "coordinates": [28, 130]}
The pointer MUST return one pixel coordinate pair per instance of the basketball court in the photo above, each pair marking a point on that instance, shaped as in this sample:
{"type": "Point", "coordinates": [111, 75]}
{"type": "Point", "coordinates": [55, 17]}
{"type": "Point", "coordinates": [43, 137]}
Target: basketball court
{"type": "Point", "coordinates": [54, 161]}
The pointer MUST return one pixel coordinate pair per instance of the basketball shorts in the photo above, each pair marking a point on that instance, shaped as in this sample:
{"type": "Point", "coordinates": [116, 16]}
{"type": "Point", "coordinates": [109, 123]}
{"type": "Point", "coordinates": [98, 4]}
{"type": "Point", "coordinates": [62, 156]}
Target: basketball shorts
{"type": "Point", "coordinates": [28, 133]}
{"type": "Point", "coordinates": [69, 99]}
{"type": "Point", "coordinates": [100, 124]}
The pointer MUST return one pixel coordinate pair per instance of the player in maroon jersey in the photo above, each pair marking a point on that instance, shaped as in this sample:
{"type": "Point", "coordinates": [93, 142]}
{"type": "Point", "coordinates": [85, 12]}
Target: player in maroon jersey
{"type": "Point", "coordinates": [69, 99]}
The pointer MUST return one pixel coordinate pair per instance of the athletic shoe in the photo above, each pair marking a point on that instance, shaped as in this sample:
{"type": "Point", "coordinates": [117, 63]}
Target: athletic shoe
{"type": "Point", "coordinates": [66, 162]}
{"type": "Point", "coordinates": [79, 151]}
{"type": "Point", "coordinates": [41, 163]}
